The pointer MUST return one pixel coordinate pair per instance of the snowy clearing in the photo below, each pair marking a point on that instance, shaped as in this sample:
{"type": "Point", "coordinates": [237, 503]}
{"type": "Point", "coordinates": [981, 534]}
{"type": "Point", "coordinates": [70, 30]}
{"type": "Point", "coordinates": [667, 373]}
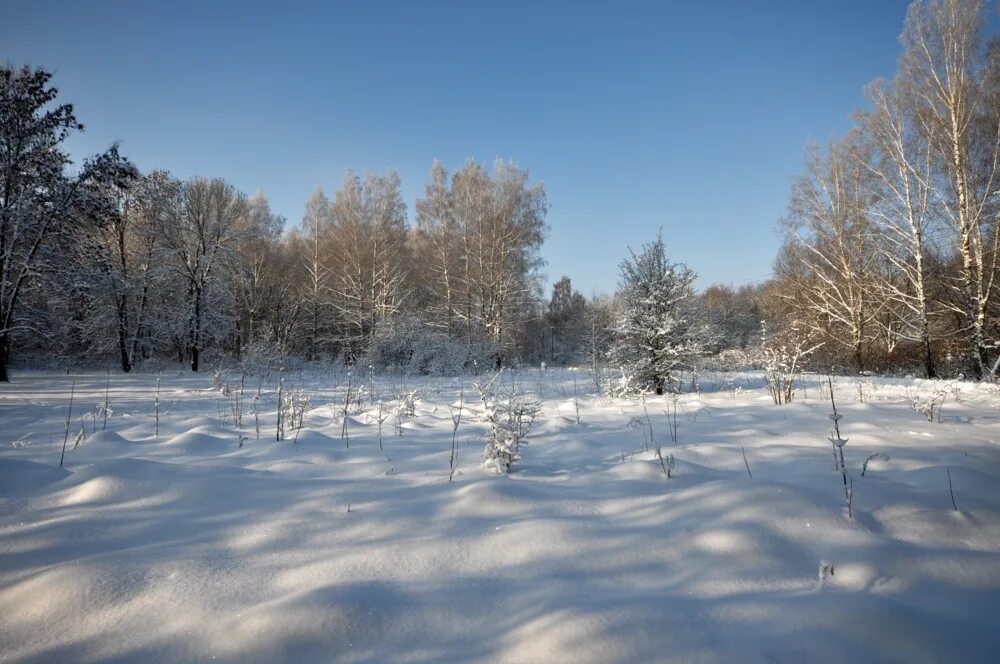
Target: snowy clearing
{"type": "Point", "coordinates": [186, 547]}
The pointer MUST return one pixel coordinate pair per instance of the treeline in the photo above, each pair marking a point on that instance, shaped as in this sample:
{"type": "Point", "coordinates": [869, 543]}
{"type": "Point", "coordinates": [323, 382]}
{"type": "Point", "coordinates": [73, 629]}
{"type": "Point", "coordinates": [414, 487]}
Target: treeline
{"type": "Point", "coordinates": [890, 257]}
{"type": "Point", "coordinates": [890, 260]}
{"type": "Point", "coordinates": [110, 263]}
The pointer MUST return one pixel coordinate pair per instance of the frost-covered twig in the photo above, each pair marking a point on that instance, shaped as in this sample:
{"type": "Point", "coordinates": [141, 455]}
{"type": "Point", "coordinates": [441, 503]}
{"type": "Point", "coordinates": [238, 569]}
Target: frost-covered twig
{"type": "Point", "coordinates": [838, 446]}
{"type": "Point", "coordinates": [106, 405]}
{"type": "Point", "coordinates": [932, 406]}
{"type": "Point", "coordinates": [456, 419]}
{"type": "Point", "coordinates": [576, 400]}
{"type": "Point", "coordinates": [951, 490]}
{"type": "Point", "coordinates": [380, 416]}
{"type": "Point", "coordinates": [344, 434]}
{"type": "Point", "coordinates": [877, 456]}
{"type": "Point", "coordinates": [672, 417]}
{"type": "Point", "coordinates": [156, 406]}
{"type": "Point", "coordinates": [69, 414]}
{"type": "Point", "coordinates": [279, 432]}
{"type": "Point", "coordinates": [637, 423]}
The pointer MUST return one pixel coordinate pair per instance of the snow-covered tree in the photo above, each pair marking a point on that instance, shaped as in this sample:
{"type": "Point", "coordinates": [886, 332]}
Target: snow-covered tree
{"type": "Point", "coordinates": [39, 199]}
{"type": "Point", "coordinates": [599, 318]}
{"type": "Point", "coordinates": [656, 332]}
{"type": "Point", "coordinates": [206, 223]}
{"type": "Point", "coordinates": [119, 256]}
{"type": "Point", "coordinates": [478, 247]}
{"type": "Point", "coordinates": [315, 258]}
{"type": "Point", "coordinates": [372, 261]}
{"type": "Point", "coordinates": [260, 283]}
{"type": "Point", "coordinates": [566, 318]}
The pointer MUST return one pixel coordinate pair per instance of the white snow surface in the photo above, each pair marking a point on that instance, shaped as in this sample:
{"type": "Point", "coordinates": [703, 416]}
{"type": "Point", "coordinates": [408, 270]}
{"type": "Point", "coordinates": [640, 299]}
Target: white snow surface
{"type": "Point", "coordinates": [184, 547]}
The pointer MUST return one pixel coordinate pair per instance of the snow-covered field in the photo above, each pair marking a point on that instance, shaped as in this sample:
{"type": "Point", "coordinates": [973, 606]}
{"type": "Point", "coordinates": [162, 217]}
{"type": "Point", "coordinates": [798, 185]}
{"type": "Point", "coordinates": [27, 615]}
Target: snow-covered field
{"type": "Point", "coordinates": [186, 547]}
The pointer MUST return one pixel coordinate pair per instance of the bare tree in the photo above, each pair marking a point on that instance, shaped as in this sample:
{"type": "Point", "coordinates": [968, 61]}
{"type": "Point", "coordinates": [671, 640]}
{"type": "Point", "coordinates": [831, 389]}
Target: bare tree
{"type": "Point", "coordinates": [370, 277]}
{"type": "Point", "coordinates": [207, 221]}
{"type": "Point", "coordinates": [438, 243]}
{"type": "Point", "coordinates": [484, 234]}
{"type": "Point", "coordinates": [122, 250]}
{"type": "Point", "coordinates": [901, 167]}
{"type": "Point", "coordinates": [257, 283]}
{"type": "Point", "coordinates": [829, 248]}
{"type": "Point", "coordinates": [316, 224]}
{"type": "Point", "coordinates": [951, 76]}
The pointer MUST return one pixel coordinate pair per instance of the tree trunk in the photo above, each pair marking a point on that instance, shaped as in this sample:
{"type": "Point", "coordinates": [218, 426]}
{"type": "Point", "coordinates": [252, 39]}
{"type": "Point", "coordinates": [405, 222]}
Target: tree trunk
{"type": "Point", "coordinates": [123, 337]}
{"type": "Point", "coordinates": [967, 223]}
{"type": "Point", "coordinates": [928, 352]}
{"type": "Point", "coordinates": [4, 357]}
{"type": "Point", "coordinates": [196, 331]}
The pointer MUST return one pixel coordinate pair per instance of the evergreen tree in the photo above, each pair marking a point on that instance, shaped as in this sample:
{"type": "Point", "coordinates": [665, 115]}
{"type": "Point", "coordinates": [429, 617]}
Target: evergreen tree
{"type": "Point", "coordinates": [655, 331]}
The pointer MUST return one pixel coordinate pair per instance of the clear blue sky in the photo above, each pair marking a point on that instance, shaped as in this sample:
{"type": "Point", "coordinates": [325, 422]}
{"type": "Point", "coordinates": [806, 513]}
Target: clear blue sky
{"type": "Point", "coordinates": [687, 115]}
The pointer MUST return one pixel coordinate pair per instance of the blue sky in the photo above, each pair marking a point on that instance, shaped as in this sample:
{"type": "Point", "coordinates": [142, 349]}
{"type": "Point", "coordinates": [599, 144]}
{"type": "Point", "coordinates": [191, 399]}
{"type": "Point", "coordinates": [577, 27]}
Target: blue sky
{"type": "Point", "coordinates": [690, 116]}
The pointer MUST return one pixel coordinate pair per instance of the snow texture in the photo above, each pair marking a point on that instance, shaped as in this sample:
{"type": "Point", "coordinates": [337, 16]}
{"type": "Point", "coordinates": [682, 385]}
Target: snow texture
{"type": "Point", "coordinates": [187, 547]}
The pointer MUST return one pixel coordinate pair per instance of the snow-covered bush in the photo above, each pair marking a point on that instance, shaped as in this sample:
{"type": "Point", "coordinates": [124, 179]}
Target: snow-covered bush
{"type": "Point", "coordinates": [410, 346]}
{"type": "Point", "coordinates": [407, 406]}
{"type": "Point", "coordinates": [932, 405]}
{"type": "Point", "coordinates": [732, 360]}
{"type": "Point", "coordinates": [294, 404]}
{"type": "Point", "coordinates": [866, 386]}
{"type": "Point", "coordinates": [260, 355]}
{"type": "Point", "coordinates": [219, 377]}
{"type": "Point", "coordinates": [509, 415]}
{"type": "Point", "coordinates": [781, 354]}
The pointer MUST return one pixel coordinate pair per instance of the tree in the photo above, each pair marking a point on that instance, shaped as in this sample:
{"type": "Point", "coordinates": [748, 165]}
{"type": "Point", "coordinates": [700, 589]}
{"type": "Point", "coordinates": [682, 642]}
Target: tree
{"type": "Point", "coordinates": [120, 256]}
{"type": "Point", "coordinates": [371, 269]}
{"type": "Point", "coordinates": [565, 319]}
{"type": "Point", "coordinates": [598, 334]}
{"type": "Point", "coordinates": [655, 333]}
{"type": "Point", "coordinates": [901, 166]}
{"type": "Point", "coordinates": [316, 225]}
{"type": "Point", "coordinates": [258, 285]}
{"type": "Point", "coordinates": [443, 265]}
{"type": "Point", "coordinates": [733, 314]}
{"type": "Point", "coordinates": [207, 221]}
{"type": "Point", "coordinates": [38, 199]}
{"type": "Point", "coordinates": [953, 79]}
{"type": "Point", "coordinates": [479, 242]}
{"type": "Point", "coordinates": [829, 251]}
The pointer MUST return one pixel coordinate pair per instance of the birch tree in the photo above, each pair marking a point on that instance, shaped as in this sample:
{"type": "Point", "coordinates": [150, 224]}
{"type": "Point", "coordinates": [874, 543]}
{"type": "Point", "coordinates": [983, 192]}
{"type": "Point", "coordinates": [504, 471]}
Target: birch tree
{"type": "Point", "coordinates": [902, 170]}
{"type": "Point", "coordinates": [316, 227]}
{"type": "Point", "coordinates": [441, 254]}
{"type": "Point", "coordinates": [951, 74]}
{"type": "Point", "coordinates": [371, 257]}
{"type": "Point", "coordinates": [502, 221]}
{"type": "Point", "coordinates": [829, 251]}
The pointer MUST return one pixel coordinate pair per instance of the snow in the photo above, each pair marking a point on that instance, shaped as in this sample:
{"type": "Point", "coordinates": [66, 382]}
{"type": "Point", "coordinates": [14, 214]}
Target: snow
{"type": "Point", "coordinates": [184, 547]}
